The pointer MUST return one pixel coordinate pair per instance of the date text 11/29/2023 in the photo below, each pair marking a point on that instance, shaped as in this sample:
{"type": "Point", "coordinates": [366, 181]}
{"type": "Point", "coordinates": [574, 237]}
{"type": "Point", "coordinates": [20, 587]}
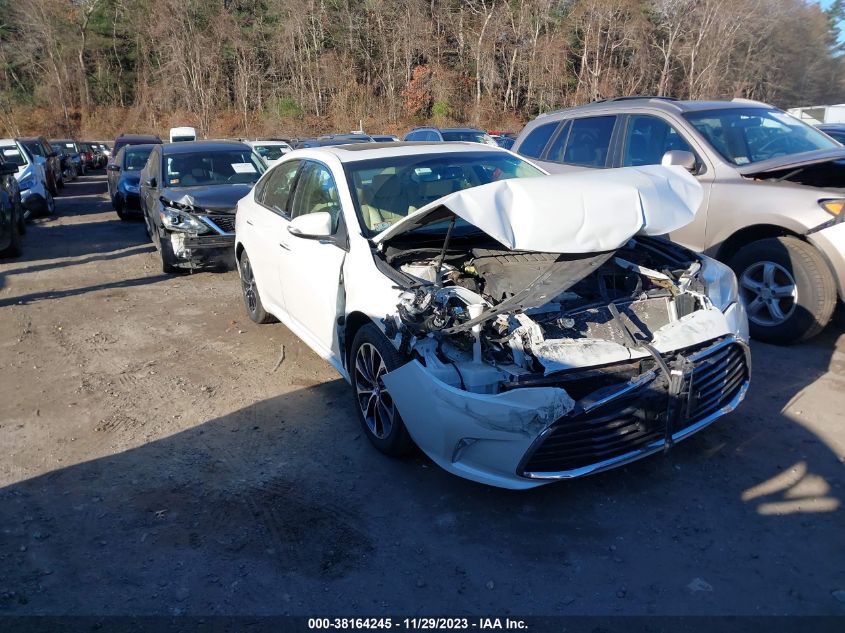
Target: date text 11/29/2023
{"type": "Point", "coordinates": [418, 623]}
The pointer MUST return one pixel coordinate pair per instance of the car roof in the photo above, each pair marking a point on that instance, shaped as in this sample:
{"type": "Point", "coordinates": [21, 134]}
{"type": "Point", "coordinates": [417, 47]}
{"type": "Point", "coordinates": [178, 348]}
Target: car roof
{"type": "Point", "coordinates": [139, 146]}
{"type": "Point", "coordinates": [367, 151]}
{"type": "Point", "coordinates": [449, 129]}
{"type": "Point", "coordinates": [138, 137]}
{"type": "Point", "coordinates": [186, 147]}
{"type": "Point", "coordinates": [666, 104]}
{"type": "Point", "coordinates": [8, 141]}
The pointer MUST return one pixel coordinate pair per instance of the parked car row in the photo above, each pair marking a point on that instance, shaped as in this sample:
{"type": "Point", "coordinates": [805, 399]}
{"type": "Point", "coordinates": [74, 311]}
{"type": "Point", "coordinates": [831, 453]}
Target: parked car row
{"type": "Point", "coordinates": [32, 171]}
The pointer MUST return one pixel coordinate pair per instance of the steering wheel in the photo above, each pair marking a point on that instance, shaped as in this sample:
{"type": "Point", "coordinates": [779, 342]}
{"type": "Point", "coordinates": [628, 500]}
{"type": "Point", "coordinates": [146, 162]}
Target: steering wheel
{"type": "Point", "coordinates": [768, 145]}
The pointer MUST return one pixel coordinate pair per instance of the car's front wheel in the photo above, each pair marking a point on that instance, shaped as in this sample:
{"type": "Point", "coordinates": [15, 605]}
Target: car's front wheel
{"type": "Point", "coordinates": [49, 203]}
{"type": "Point", "coordinates": [252, 300]}
{"type": "Point", "coordinates": [787, 288]}
{"type": "Point", "coordinates": [372, 356]}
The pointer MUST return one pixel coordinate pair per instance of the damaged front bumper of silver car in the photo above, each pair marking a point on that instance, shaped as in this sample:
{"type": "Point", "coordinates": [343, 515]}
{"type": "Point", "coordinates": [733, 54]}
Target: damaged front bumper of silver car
{"type": "Point", "coordinates": [528, 436]}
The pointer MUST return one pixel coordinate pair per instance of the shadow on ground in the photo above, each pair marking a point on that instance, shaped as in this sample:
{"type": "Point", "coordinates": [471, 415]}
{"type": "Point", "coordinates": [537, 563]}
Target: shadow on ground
{"type": "Point", "coordinates": [283, 507]}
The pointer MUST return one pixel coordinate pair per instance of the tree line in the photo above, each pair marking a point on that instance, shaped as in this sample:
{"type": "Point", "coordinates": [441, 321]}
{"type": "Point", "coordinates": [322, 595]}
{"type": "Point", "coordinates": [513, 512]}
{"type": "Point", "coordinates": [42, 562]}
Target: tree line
{"type": "Point", "coordinates": [250, 67]}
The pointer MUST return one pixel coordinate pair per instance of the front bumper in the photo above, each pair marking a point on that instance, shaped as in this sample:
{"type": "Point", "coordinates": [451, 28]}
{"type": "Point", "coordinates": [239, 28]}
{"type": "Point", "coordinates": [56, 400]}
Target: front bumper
{"type": "Point", "coordinates": [530, 436]}
{"type": "Point", "coordinates": [33, 201]}
{"type": "Point", "coordinates": [131, 201]}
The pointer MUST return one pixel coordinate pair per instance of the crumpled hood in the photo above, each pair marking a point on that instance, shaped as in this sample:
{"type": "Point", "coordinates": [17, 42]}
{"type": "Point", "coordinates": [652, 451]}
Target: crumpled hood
{"type": "Point", "coordinates": [219, 198]}
{"type": "Point", "coordinates": [584, 212]}
{"type": "Point", "coordinates": [793, 161]}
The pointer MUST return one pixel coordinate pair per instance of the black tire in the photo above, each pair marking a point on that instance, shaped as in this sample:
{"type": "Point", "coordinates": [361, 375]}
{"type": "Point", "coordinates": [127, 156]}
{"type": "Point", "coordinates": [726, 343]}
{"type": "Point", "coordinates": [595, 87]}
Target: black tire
{"type": "Point", "coordinates": [15, 247]}
{"type": "Point", "coordinates": [252, 300]}
{"type": "Point", "coordinates": [393, 440]}
{"type": "Point", "coordinates": [118, 205]}
{"type": "Point", "coordinates": [49, 204]}
{"type": "Point", "coordinates": [168, 257]}
{"type": "Point", "coordinates": [806, 311]}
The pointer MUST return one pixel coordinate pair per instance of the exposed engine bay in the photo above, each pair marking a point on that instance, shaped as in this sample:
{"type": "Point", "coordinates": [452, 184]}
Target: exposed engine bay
{"type": "Point", "coordinates": [486, 318]}
{"type": "Point", "coordinates": [825, 175]}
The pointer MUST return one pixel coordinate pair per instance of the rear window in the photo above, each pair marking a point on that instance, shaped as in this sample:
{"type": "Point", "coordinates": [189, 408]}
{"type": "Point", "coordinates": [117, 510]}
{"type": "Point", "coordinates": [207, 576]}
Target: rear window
{"type": "Point", "coordinates": [135, 159]}
{"type": "Point", "coordinates": [536, 141]}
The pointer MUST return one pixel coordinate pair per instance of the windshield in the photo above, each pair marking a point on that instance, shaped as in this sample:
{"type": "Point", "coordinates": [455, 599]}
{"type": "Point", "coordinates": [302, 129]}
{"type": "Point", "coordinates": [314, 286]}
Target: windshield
{"type": "Point", "coordinates": [271, 152]}
{"type": "Point", "coordinates": [209, 167]}
{"type": "Point", "coordinates": [468, 135]}
{"type": "Point", "coordinates": [14, 156]}
{"type": "Point", "coordinates": [135, 158]}
{"type": "Point", "coordinates": [751, 135]}
{"type": "Point", "coordinates": [388, 189]}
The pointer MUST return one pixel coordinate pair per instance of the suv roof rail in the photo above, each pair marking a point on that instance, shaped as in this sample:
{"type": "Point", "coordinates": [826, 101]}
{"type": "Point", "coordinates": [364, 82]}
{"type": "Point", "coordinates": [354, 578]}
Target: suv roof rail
{"type": "Point", "coordinates": [633, 97]}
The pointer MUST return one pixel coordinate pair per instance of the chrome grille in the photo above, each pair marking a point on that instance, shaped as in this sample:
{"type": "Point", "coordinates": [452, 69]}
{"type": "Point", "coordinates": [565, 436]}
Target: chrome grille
{"type": "Point", "coordinates": [226, 223]}
{"type": "Point", "coordinates": [637, 421]}
{"type": "Point", "coordinates": [715, 380]}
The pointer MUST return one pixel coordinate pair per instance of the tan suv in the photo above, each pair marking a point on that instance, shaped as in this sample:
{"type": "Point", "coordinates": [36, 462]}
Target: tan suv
{"type": "Point", "coordinates": [774, 192]}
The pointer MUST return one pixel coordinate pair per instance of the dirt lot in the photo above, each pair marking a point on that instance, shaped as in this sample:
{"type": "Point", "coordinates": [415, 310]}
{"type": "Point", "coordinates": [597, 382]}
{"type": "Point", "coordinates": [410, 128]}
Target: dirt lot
{"type": "Point", "coordinates": [153, 462]}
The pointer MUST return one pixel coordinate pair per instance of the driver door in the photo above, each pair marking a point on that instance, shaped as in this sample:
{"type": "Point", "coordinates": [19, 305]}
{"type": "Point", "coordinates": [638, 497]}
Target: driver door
{"type": "Point", "coordinates": [310, 276]}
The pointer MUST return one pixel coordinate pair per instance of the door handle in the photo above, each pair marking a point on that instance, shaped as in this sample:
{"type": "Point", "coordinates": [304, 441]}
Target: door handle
{"type": "Point", "coordinates": [284, 246]}
{"type": "Point", "coordinates": [249, 222]}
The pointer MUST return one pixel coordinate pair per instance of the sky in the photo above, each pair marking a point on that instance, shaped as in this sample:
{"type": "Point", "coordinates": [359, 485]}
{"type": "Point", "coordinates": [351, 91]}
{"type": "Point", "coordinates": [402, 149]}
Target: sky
{"type": "Point", "coordinates": [825, 4]}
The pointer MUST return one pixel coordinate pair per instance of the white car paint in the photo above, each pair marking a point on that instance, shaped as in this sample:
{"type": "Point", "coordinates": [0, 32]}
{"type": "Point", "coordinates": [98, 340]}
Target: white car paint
{"type": "Point", "coordinates": [31, 176]}
{"type": "Point", "coordinates": [179, 134]}
{"type": "Point", "coordinates": [309, 284]}
{"type": "Point", "coordinates": [524, 213]}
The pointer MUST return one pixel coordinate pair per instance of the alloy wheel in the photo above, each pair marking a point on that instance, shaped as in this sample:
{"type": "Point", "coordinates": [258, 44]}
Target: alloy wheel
{"type": "Point", "coordinates": [770, 293]}
{"type": "Point", "coordinates": [248, 283]}
{"type": "Point", "coordinates": [376, 404]}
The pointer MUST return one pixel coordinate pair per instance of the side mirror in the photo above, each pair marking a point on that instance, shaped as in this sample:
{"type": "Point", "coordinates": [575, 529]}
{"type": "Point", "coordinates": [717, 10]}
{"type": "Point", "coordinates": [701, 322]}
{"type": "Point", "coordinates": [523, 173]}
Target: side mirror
{"type": "Point", "coordinates": [151, 182]}
{"type": "Point", "coordinates": [679, 158]}
{"type": "Point", "coordinates": [113, 167]}
{"type": "Point", "coordinates": [40, 160]}
{"type": "Point", "coordinates": [313, 226]}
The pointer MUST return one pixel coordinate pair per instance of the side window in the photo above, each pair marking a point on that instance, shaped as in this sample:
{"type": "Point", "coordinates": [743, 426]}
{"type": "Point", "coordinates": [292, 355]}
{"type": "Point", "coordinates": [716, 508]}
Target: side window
{"type": "Point", "coordinates": [589, 141]}
{"type": "Point", "coordinates": [276, 189]}
{"type": "Point", "coordinates": [316, 191]}
{"type": "Point", "coordinates": [536, 141]}
{"type": "Point", "coordinates": [555, 152]}
{"type": "Point", "coordinates": [431, 135]}
{"type": "Point", "coordinates": [413, 136]}
{"type": "Point", "coordinates": [648, 138]}
{"type": "Point", "coordinates": [118, 160]}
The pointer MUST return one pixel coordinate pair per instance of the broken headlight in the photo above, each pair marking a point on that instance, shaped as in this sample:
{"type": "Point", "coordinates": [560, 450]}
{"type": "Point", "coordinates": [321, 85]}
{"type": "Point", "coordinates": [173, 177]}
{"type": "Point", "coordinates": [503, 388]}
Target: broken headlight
{"type": "Point", "coordinates": [720, 281]}
{"type": "Point", "coordinates": [175, 219]}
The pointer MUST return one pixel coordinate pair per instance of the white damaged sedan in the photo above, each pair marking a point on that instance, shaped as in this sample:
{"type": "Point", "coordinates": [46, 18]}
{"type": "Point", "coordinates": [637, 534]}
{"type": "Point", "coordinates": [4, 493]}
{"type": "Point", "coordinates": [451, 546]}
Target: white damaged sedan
{"type": "Point", "coordinates": [518, 328]}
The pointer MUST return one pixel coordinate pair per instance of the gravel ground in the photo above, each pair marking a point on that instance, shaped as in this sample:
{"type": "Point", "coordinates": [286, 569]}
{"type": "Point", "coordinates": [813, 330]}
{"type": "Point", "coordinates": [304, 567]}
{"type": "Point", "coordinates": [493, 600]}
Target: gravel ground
{"type": "Point", "coordinates": [154, 462]}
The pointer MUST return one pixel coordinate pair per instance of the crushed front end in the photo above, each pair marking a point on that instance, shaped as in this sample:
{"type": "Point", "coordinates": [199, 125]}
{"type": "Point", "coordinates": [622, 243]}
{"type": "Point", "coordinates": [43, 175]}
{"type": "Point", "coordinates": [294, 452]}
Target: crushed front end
{"type": "Point", "coordinates": [198, 236]}
{"type": "Point", "coordinates": [529, 367]}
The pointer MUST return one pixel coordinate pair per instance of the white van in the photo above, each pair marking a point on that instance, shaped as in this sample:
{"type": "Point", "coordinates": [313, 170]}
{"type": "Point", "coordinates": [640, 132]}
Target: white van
{"type": "Point", "coordinates": [182, 134]}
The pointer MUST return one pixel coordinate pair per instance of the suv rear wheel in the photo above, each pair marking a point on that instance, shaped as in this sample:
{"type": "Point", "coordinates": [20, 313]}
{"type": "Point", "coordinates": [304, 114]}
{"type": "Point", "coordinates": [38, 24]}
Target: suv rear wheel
{"type": "Point", "coordinates": [787, 287]}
